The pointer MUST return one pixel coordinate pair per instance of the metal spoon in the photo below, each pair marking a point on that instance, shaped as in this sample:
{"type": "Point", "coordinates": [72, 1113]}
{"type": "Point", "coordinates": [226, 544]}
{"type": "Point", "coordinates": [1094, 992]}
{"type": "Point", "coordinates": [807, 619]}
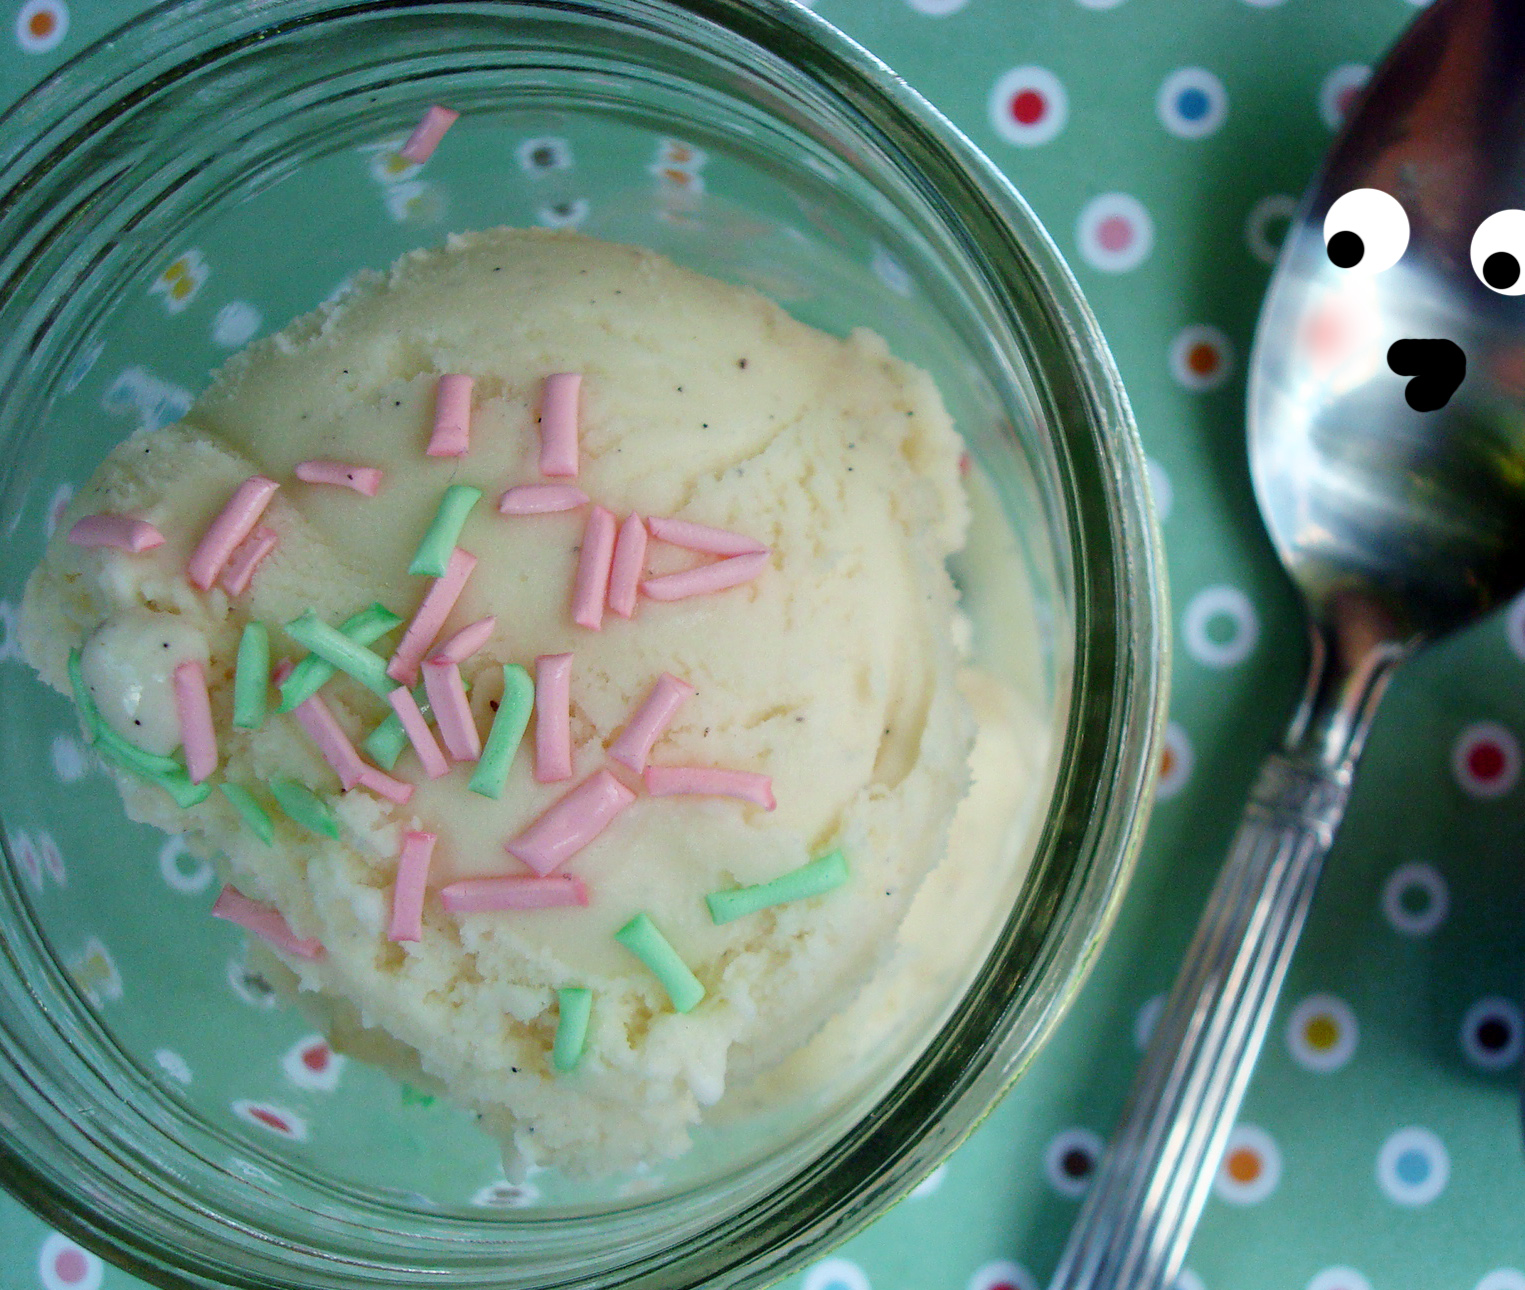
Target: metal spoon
{"type": "Point", "coordinates": [1398, 525]}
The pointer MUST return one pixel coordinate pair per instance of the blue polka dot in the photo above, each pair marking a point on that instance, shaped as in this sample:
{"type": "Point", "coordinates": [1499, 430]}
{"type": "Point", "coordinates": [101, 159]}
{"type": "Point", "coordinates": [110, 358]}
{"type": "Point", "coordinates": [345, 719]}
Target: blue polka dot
{"type": "Point", "coordinates": [1412, 1167]}
{"type": "Point", "coordinates": [1192, 104]}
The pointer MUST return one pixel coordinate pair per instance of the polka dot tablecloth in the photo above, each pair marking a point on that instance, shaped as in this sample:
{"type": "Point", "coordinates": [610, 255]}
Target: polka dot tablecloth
{"type": "Point", "coordinates": [1163, 143]}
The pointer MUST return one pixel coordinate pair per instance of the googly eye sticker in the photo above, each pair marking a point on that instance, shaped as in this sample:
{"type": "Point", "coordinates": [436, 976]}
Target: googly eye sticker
{"type": "Point", "coordinates": [1498, 252]}
{"type": "Point", "coordinates": [1366, 231]}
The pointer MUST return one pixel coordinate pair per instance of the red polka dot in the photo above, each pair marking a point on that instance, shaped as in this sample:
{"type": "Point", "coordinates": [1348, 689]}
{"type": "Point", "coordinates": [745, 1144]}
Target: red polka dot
{"type": "Point", "coordinates": [1486, 761]}
{"type": "Point", "coordinates": [1202, 359]}
{"type": "Point", "coordinates": [1028, 107]}
{"type": "Point", "coordinates": [316, 1058]}
{"type": "Point", "coordinates": [1114, 234]}
{"type": "Point", "coordinates": [1002, 1285]}
{"type": "Point", "coordinates": [70, 1266]}
{"type": "Point", "coordinates": [276, 1122]}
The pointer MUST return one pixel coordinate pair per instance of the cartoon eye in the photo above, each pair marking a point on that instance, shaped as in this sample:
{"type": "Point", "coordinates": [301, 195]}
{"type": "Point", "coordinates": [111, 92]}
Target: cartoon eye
{"type": "Point", "coordinates": [1498, 252]}
{"type": "Point", "coordinates": [1367, 230]}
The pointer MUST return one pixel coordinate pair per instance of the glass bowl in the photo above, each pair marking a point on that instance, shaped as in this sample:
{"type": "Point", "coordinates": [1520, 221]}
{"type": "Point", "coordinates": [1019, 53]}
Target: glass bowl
{"type": "Point", "coordinates": [213, 169]}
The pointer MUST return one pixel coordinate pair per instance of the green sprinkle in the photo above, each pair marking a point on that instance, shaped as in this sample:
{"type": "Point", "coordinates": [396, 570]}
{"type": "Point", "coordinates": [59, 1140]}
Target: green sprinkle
{"type": "Point", "coordinates": [813, 879]}
{"type": "Point", "coordinates": [303, 806]}
{"type": "Point", "coordinates": [88, 712]}
{"type": "Point", "coordinates": [575, 1005]}
{"type": "Point", "coordinates": [333, 646]}
{"type": "Point", "coordinates": [508, 725]}
{"type": "Point", "coordinates": [641, 937]}
{"type": "Point", "coordinates": [254, 815]}
{"type": "Point", "coordinates": [434, 551]}
{"type": "Point", "coordinates": [251, 681]}
{"type": "Point", "coordinates": [116, 750]}
{"type": "Point", "coordinates": [313, 673]}
{"type": "Point", "coordinates": [384, 744]}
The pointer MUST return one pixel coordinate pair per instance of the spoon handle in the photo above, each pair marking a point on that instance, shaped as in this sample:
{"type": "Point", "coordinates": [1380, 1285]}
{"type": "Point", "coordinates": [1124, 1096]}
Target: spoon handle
{"type": "Point", "coordinates": [1144, 1200]}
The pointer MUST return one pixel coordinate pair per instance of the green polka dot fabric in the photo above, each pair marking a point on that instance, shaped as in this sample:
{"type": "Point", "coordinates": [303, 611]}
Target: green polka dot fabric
{"type": "Point", "coordinates": [1164, 144]}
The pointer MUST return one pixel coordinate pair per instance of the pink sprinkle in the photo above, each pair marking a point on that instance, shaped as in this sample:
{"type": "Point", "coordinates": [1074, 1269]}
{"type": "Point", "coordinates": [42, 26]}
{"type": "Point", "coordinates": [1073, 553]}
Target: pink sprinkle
{"type": "Point", "coordinates": [629, 564]}
{"type": "Point", "coordinates": [427, 134]}
{"type": "Point", "coordinates": [264, 921]}
{"type": "Point", "coordinates": [452, 417]}
{"type": "Point", "coordinates": [408, 887]}
{"type": "Point", "coordinates": [553, 718]}
{"type": "Point", "coordinates": [650, 722]}
{"type": "Point", "coordinates": [314, 716]}
{"type": "Point", "coordinates": [482, 895]}
{"type": "Point", "coordinates": [418, 732]}
{"type": "Point", "coordinates": [383, 785]}
{"type": "Point", "coordinates": [667, 781]}
{"type": "Point", "coordinates": [541, 499]}
{"type": "Point", "coordinates": [365, 480]}
{"type": "Point", "coordinates": [558, 424]}
{"type": "Point", "coordinates": [707, 577]}
{"type": "Point", "coordinates": [593, 565]}
{"type": "Point", "coordinates": [246, 558]}
{"type": "Point", "coordinates": [233, 524]}
{"type": "Point", "coordinates": [573, 822]}
{"type": "Point", "coordinates": [701, 537]}
{"type": "Point", "coordinates": [194, 709]}
{"type": "Point", "coordinates": [120, 531]}
{"type": "Point", "coordinates": [466, 642]}
{"type": "Point", "coordinates": [430, 617]}
{"type": "Point", "coordinates": [447, 696]}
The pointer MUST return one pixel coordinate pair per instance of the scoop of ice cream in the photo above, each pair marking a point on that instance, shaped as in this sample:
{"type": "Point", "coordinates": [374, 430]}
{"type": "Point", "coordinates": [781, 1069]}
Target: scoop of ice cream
{"type": "Point", "coordinates": [833, 671]}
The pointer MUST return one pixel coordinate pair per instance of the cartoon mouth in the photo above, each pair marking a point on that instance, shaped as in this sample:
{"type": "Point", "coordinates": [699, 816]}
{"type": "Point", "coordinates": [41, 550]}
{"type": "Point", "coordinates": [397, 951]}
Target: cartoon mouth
{"type": "Point", "coordinates": [1437, 367]}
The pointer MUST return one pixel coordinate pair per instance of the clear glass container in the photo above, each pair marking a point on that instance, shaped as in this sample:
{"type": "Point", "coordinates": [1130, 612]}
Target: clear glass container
{"type": "Point", "coordinates": [216, 168]}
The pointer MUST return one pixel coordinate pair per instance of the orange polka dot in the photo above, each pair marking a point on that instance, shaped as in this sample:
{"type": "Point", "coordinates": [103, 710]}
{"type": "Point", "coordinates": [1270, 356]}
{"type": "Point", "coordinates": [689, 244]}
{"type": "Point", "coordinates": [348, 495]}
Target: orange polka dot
{"type": "Point", "coordinates": [1167, 762]}
{"type": "Point", "coordinates": [182, 288]}
{"type": "Point", "coordinates": [1243, 1165]}
{"type": "Point", "coordinates": [1322, 1033]}
{"type": "Point", "coordinates": [1202, 359]}
{"type": "Point", "coordinates": [42, 24]}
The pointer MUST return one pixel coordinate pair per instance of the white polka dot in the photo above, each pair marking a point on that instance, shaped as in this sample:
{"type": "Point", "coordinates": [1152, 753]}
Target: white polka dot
{"type": "Point", "coordinates": [52, 858]}
{"type": "Point", "coordinates": [41, 25]}
{"type": "Point", "coordinates": [1071, 1159]}
{"type": "Point", "coordinates": [1201, 357]}
{"type": "Point", "coordinates": [1415, 899]}
{"type": "Point", "coordinates": [24, 857]}
{"type": "Point", "coordinates": [544, 156]}
{"type": "Point", "coordinates": [1209, 605]}
{"type": "Point", "coordinates": [1191, 103]}
{"type": "Point", "coordinates": [69, 762]}
{"type": "Point", "coordinates": [173, 1065]}
{"type": "Point", "coordinates": [568, 214]}
{"type": "Point", "coordinates": [247, 1169]}
{"type": "Point", "coordinates": [937, 8]}
{"type": "Point", "coordinates": [1114, 232]}
{"type": "Point", "coordinates": [1502, 1279]}
{"type": "Point", "coordinates": [1146, 1019]}
{"type": "Point", "coordinates": [1514, 625]}
{"type": "Point", "coordinates": [274, 1119]}
{"type": "Point", "coordinates": [928, 1185]}
{"type": "Point", "coordinates": [1339, 90]}
{"type": "Point", "coordinates": [891, 272]}
{"type": "Point", "coordinates": [1269, 213]}
{"type": "Point", "coordinates": [1186, 1279]}
{"type": "Point", "coordinates": [1002, 1272]}
{"type": "Point", "coordinates": [1338, 1278]}
{"type": "Point", "coordinates": [414, 201]}
{"type": "Point", "coordinates": [506, 1195]}
{"type": "Point", "coordinates": [1413, 1167]}
{"type": "Point", "coordinates": [1098, 4]}
{"type": "Point", "coordinates": [1028, 106]}
{"type": "Point", "coordinates": [1264, 4]}
{"type": "Point", "coordinates": [1486, 760]}
{"type": "Point", "coordinates": [1493, 1033]}
{"type": "Point", "coordinates": [249, 985]}
{"type": "Point", "coordinates": [235, 323]}
{"type": "Point", "coordinates": [1177, 761]}
{"type": "Point", "coordinates": [1322, 1033]}
{"type": "Point", "coordinates": [1159, 489]}
{"type": "Point", "coordinates": [63, 1265]}
{"type": "Point", "coordinates": [181, 870]}
{"type": "Point", "coordinates": [1251, 1166]}
{"type": "Point", "coordinates": [835, 1274]}
{"type": "Point", "coordinates": [310, 1063]}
